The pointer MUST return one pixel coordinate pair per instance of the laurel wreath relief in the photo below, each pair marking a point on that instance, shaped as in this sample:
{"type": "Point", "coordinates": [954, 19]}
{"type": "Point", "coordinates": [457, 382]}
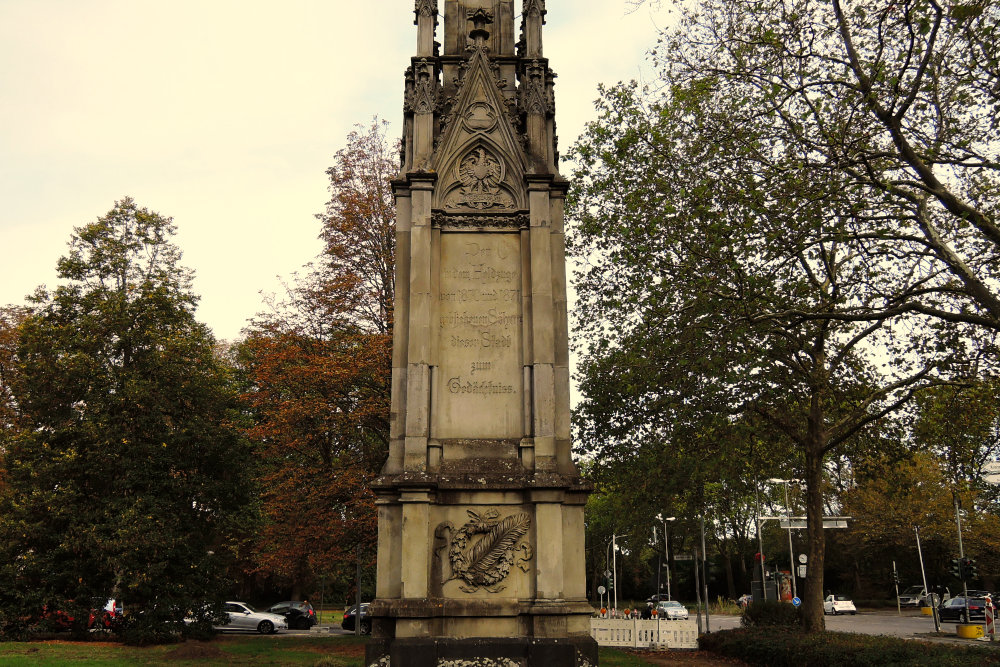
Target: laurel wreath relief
{"type": "Point", "coordinates": [483, 550]}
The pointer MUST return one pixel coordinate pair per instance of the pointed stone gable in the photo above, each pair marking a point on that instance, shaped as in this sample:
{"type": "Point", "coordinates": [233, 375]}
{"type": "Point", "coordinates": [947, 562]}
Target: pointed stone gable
{"type": "Point", "coordinates": [480, 162]}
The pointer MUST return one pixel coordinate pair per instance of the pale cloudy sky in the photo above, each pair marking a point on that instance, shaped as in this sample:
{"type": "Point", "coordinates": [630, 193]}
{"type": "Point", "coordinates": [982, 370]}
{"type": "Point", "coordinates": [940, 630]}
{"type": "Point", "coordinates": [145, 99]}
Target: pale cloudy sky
{"type": "Point", "coordinates": [224, 114]}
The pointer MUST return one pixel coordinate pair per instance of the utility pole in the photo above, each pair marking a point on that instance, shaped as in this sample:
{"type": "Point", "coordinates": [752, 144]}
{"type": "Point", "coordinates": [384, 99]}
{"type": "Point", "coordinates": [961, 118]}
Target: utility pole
{"type": "Point", "coordinates": [961, 556]}
{"type": "Point", "coordinates": [614, 567]}
{"type": "Point", "coordinates": [923, 576]}
{"type": "Point", "coordinates": [659, 567]}
{"type": "Point", "coordinates": [697, 588]}
{"type": "Point", "coordinates": [357, 616]}
{"type": "Point", "coordinates": [704, 574]}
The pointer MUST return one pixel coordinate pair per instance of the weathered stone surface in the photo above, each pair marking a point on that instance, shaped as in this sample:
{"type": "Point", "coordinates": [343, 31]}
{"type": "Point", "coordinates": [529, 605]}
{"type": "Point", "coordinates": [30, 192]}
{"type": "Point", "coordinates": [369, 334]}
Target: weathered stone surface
{"type": "Point", "coordinates": [480, 505]}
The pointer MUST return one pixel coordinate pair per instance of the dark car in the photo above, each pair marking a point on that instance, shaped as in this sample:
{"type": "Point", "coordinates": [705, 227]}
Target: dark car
{"type": "Point", "coordinates": [366, 624]}
{"type": "Point", "coordinates": [955, 609]}
{"type": "Point", "coordinates": [300, 615]}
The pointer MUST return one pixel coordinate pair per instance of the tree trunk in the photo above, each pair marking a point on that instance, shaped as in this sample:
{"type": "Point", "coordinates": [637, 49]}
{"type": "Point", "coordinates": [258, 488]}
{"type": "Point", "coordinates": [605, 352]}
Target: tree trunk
{"type": "Point", "coordinates": [727, 564]}
{"type": "Point", "coordinates": [812, 599]}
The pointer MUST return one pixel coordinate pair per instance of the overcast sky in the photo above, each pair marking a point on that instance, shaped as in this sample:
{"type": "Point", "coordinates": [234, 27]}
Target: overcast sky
{"type": "Point", "coordinates": [224, 115]}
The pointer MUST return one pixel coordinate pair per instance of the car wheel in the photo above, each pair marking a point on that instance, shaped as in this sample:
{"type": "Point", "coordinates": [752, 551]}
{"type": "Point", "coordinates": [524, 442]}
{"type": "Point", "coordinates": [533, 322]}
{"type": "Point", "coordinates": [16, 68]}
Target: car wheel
{"type": "Point", "coordinates": [366, 627]}
{"type": "Point", "coordinates": [265, 627]}
{"type": "Point", "coordinates": [853, 613]}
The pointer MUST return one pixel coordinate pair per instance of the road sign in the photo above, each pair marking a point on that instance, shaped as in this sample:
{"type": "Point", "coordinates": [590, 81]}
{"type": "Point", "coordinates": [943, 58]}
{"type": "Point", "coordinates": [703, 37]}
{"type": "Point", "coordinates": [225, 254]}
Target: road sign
{"type": "Point", "coordinates": [796, 601]}
{"type": "Point", "coordinates": [601, 590]}
{"type": "Point", "coordinates": [802, 571]}
{"type": "Point", "coordinates": [607, 573]}
{"type": "Point", "coordinates": [803, 559]}
{"type": "Point", "coordinates": [683, 557]}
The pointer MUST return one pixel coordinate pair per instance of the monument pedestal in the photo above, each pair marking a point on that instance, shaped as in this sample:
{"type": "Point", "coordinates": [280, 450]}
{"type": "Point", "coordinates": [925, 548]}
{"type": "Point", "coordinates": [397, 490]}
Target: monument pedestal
{"type": "Point", "coordinates": [481, 532]}
{"type": "Point", "coordinates": [485, 652]}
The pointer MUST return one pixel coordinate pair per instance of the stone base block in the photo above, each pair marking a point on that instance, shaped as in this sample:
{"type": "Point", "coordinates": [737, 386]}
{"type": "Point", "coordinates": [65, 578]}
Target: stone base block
{"type": "Point", "coordinates": [487, 652]}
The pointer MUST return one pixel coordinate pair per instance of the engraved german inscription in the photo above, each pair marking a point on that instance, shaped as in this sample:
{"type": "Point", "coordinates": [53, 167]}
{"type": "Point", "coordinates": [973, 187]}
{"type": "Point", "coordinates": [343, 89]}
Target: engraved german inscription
{"type": "Point", "coordinates": [479, 323]}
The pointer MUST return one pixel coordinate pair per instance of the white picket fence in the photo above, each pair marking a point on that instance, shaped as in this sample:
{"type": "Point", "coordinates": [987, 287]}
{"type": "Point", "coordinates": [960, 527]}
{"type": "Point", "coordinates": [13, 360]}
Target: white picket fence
{"type": "Point", "coordinates": [635, 633]}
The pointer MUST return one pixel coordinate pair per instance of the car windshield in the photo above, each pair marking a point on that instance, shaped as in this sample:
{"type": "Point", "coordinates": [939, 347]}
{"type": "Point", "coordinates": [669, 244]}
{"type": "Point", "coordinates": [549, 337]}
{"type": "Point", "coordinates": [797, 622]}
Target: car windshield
{"type": "Point", "coordinates": [672, 603]}
{"type": "Point", "coordinates": [841, 598]}
{"type": "Point", "coordinates": [913, 590]}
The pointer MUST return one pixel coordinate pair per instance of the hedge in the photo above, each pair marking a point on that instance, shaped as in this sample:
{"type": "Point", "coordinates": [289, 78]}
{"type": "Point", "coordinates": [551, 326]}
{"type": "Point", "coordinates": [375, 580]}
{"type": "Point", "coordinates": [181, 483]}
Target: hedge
{"type": "Point", "coordinates": [787, 647]}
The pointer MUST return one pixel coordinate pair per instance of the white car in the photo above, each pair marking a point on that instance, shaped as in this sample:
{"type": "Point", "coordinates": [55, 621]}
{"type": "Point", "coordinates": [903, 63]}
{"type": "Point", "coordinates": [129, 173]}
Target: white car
{"type": "Point", "coordinates": [838, 604]}
{"type": "Point", "coordinates": [913, 596]}
{"type": "Point", "coordinates": [672, 610]}
{"type": "Point", "coordinates": [242, 616]}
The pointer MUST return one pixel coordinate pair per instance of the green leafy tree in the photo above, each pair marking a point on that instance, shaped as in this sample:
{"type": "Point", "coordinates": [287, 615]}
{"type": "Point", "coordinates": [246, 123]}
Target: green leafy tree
{"type": "Point", "coordinates": [128, 476]}
{"type": "Point", "coordinates": [11, 318]}
{"type": "Point", "coordinates": [898, 100]}
{"type": "Point", "coordinates": [805, 186]}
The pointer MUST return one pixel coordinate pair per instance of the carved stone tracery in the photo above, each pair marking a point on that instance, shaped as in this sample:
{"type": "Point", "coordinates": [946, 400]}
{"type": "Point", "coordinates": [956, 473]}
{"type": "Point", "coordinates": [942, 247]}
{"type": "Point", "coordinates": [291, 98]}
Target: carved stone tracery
{"type": "Point", "coordinates": [483, 550]}
{"type": "Point", "coordinates": [421, 93]}
{"type": "Point", "coordinates": [450, 221]}
{"type": "Point", "coordinates": [426, 8]}
{"type": "Point", "coordinates": [534, 8]}
{"type": "Point", "coordinates": [536, 88]}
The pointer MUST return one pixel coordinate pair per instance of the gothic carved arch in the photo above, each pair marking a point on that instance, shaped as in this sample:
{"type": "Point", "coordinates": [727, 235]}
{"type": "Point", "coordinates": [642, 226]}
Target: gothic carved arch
{"type": "Point", "coordinates": [478, 177]}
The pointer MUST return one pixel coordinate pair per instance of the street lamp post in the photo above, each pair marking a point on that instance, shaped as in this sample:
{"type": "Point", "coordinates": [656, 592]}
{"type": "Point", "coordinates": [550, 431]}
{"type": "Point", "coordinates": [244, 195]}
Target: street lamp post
{"type": "Point", "coordinates": [666, 553]}
{"type": "Point", "coordinates": [614, 565]}
{"type": "Point", "coordinates": [788, 520]}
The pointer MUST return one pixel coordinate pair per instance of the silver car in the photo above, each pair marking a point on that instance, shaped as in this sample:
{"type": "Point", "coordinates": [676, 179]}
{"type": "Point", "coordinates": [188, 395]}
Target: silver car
{"type": "Point", "coordinates": [672, 610]}
{"type": "Point", "coordinates": [242, 616]}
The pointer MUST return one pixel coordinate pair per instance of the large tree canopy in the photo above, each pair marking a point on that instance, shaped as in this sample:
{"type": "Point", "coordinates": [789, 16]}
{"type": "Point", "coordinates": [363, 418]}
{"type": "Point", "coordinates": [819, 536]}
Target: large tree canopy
{"type": "Point", "coordinates": [318, 372]}
{"type": "Point", "coordinates": [127, 476]}
{"type": "Point", "coordinates": [767, 246]}
{"type": "Point", "coordinates": [898, 101]}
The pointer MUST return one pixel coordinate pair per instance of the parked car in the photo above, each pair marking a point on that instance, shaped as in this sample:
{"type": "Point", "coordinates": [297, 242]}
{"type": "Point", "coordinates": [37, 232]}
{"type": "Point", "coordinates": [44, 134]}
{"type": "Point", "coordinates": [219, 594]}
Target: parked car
{"type": "Point", "coordinates": [241, 616]}
{"type": "Point", "coordinates": [299, 615]}
{"type": "Point", "coordinates": [348, 622]}
{"type": "Point", "coordinates": [955, 610]}
{"type": "Point", "coordinates": [838, 604]}
{"type": "Point", "coordinates": [105, 613]}
{"type": "Point", "coordinates": [672, 611]}
{"type": "Point", "coordinates": [913, 596]}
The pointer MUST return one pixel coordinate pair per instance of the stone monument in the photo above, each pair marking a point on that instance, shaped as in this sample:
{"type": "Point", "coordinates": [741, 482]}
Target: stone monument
{"type": "Point", "coordinates": [480, 506]}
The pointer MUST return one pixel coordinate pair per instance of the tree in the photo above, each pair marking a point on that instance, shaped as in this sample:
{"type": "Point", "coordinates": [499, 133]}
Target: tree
{"type": "Point", "coordinates": [11, 318]}
{"type": "Point", "coordinates": [737, 293]}
{"type": "Point", "coordinates": [803, 209]}
{"type": "Point", "coordinates": [127, 476]}
{"type": "Point", "coordinates": [898, 102]}
{"type": "Point", "coordinates": [318, 375]}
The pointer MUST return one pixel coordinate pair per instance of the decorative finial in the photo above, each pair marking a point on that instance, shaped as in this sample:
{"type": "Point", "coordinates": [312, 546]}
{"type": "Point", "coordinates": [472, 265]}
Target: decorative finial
{"type": "Point", "coordinates": [480, 19]}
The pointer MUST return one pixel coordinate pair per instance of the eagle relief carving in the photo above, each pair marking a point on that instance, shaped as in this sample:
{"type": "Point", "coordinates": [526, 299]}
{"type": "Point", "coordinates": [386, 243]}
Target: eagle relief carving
{"type": "Point", "coordinates": [480, 174]}
{"type": "Point", "coordinates": [482, 551]}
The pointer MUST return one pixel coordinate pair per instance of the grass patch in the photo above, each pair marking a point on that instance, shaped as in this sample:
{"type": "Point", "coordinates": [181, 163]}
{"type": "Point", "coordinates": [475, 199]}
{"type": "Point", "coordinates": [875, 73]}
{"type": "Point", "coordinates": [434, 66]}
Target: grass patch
{"type": "Point", "coordinates": [227, 650]}
{"type": "Point", "coordinates": [785, 647]}
{"type": "Point", "coordinates": [610, 657]}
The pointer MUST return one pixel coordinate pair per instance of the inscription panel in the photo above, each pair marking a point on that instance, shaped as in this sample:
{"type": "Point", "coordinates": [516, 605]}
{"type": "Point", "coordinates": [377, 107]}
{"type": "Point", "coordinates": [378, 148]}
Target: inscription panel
{"type": "Point", "coordinates": [479, 383]}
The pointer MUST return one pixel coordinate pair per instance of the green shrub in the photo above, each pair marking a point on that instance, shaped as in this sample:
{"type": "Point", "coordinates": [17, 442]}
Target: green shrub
{"type": "Point", "coordinates": [771, 613]}
{"type": "Point", "coordinates": [785, 647]}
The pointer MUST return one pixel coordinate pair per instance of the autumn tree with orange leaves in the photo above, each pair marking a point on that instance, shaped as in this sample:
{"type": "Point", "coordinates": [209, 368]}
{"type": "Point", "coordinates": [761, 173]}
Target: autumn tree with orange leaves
{"type": "Point", "coordinates": [318, 375]}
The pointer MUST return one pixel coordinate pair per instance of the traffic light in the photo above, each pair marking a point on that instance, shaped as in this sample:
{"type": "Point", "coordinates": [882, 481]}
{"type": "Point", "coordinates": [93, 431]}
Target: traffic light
{"type": "Point", "coordinates": [971, 571]}
{"type": "Point", "coordinates": [611, 584]}
{"type": "Point", "coordinates": [958, 568]}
